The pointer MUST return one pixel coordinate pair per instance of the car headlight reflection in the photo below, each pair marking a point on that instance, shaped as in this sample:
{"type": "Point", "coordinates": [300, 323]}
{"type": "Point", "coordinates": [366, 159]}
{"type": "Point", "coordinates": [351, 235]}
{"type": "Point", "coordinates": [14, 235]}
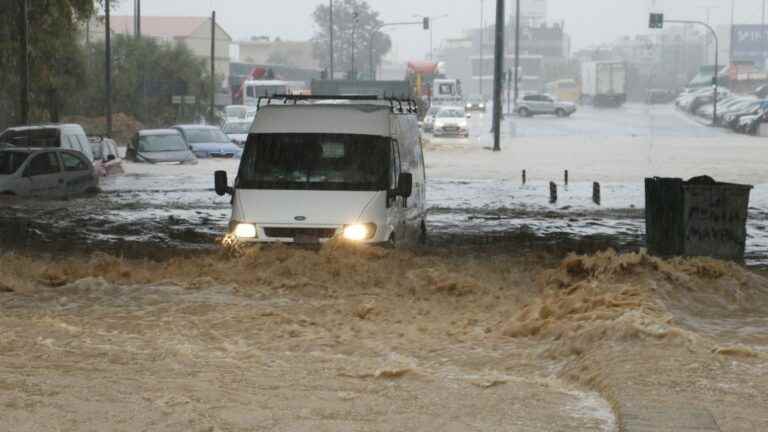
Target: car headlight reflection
{"type": "Point", "coordinates": [245, 230]}
{"type": "Point", "coordinates": [359, 232]}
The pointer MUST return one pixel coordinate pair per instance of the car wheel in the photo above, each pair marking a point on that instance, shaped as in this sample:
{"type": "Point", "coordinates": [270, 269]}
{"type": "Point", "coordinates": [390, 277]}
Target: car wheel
{"type": "Point", "coordinates": [560, 112]}
{"type": "Point", "coordinates": [524, 112]}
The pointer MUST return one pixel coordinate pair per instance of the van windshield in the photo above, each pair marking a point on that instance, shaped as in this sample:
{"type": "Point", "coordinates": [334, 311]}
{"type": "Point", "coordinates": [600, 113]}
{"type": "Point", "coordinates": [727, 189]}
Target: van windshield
{"type": "Point", "coordinates": [315, 162]}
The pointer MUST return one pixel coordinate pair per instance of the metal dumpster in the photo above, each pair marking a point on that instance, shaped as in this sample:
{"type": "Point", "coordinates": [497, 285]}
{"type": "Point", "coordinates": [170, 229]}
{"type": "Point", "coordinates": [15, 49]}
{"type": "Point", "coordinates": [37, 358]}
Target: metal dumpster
{"type": "Point", "coordinates": [699, 217]}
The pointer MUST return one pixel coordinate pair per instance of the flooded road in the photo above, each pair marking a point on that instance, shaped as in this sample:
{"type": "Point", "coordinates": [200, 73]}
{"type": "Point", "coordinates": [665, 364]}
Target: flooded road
{"type": "Point", "coordinates": [123, 303]}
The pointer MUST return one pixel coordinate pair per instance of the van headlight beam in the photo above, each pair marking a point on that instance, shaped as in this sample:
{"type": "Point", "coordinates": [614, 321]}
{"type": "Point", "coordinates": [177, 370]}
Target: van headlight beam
{"type": "Point", "coordinates": [245, 230]}
{"type": "Point", "coordinates": [359, 232]}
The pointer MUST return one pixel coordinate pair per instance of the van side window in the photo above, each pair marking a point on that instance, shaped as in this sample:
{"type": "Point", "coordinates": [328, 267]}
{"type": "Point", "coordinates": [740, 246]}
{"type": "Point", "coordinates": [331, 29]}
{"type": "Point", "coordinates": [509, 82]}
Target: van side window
{"type": "Point", "coordinates": [73, 163]}
{"type": "Point", "coordinates": [42, 164]}
{"type": "Point", "coordinates": [395, 163]}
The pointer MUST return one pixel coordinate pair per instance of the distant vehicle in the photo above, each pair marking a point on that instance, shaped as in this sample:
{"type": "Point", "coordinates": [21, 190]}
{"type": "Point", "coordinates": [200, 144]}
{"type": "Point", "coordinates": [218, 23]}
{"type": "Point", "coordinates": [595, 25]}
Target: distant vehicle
{"type": "Point", "coordinates": [208, 141]}
{"type": "Point", "coordinates": [603, 83]}
{"type": "Point", "coordinates": [761, 92]}
{"type": "Point", "coordinates": [731, 120]}
{"type": "Point", "coordinates": [706, 97]}
{"type": "Point", "coordinates": [566, 90]}
{"type": "Point", "coordinates": [255, 89]}
{"type": "Point", "coordinates": [429, 119]}
{"type": "Point", "coordinates": [451, 121]}
{"type": "Point", "coordinates": [237, 132]}
{"type": "Point", "coordinates": [108, 161]}
{"type": "Point", "coordinates": [734, 105]}
{"type": "Point", "coordinates": [159, 146]}
{"type": "Point", "coordinates": [659, 96]}
{"type": "Point", "coordinates": [67, 136]}
{"type": "Point", "coordinates": [239, 113]}
{"type": "Point", "coordinates": [476, 103]}
{"type": "Point", "coordinates": [321, 170]}
{"type": "Point", "coordinates": [446, 92]}
{"type": "Point", "coordinates": [533, 104]}
{"type": "Point", "coordinates": [46, 172]}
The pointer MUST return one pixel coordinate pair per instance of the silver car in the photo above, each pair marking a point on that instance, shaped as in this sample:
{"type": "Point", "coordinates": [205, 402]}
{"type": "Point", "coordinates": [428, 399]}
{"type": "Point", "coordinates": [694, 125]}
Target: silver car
{"type": "Point", "coordinates": [533, 104]}
{"type": "Point", "coordinates": [46, 172]}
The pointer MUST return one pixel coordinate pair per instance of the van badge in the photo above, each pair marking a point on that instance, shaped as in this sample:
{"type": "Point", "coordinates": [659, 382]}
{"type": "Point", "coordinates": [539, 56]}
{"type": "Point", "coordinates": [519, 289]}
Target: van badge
{"type": "Point", "coordinates": [300, 218]}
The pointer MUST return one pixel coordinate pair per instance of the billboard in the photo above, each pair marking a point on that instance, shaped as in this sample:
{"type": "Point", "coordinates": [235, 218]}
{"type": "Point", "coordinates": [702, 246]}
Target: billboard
{"type": "Point", "coordinates": [750, 43]}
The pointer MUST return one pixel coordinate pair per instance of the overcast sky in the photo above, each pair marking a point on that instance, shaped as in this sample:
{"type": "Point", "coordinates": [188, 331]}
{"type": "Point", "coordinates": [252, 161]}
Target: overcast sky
{"type": "Point", "coordinates": [587, 21]}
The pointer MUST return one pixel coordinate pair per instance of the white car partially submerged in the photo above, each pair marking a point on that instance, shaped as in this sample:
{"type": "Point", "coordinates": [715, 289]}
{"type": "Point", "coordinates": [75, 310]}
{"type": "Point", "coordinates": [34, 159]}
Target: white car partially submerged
{"type": "Point", "coordinates": [451, 121]}
{"type": "Point", "coordinates": [320, 169]}
{"type": "Point", "coordinates": [46, 172]}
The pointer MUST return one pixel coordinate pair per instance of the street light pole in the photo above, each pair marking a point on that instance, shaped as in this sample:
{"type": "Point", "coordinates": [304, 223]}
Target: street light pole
{"type": "Point", "coordinates": [331, 34]}
{"type": "Point", "coordinates": [25, 85]}
{"type": "Point", "coordinates": [498, 75]}
{"type": "Point", "coordinates": [108, 68]}
{"type": "Point", "coordinates": [482, 42]}
{"type": "Point", "coordinates": [517, 49]}
{"type": "Point", "coordinates": [373, 35]}
{"type": "Point", "coordinates": [354, 32]}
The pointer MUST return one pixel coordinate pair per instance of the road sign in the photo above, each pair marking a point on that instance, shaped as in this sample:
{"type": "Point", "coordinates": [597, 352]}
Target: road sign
{"type": "Point", "coordinates": [656, 21]}
{"type": "Point", "coordinates": [176, 100]}
{"type": "Point", "coordinates": [189, 100]}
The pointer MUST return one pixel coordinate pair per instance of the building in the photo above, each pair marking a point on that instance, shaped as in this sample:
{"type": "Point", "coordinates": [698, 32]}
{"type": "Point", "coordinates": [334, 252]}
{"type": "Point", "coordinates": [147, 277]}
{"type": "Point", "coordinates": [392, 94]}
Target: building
{"type": "Point", "coordinates": [262, 50]}
{"type": "Point", "coordinates": [533, 13]}
{"type": "Point", "coordinates": [194, 32]}
{"type": "Point", "coordinates": [543, 49]}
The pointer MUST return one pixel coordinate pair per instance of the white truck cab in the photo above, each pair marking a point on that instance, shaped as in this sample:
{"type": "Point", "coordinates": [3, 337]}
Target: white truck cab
{"type": "Point", "coordinates": [327, 167]}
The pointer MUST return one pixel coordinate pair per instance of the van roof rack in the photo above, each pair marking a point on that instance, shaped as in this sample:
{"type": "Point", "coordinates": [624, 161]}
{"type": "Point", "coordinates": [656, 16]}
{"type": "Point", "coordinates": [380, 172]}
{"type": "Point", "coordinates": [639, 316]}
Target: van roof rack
{"type": "Point", "coordinates": [397, 105]}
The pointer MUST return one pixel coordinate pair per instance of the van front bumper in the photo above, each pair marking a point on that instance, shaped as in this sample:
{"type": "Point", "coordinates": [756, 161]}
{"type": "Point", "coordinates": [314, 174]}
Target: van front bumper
{"type": "Point", "coordinates": [300, 234]}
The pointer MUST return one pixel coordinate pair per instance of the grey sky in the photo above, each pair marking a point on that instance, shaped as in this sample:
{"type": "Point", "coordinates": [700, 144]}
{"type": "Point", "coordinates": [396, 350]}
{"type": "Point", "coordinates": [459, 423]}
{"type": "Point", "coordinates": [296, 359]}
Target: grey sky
{"type": "Point", "coordinates": [587, 21]}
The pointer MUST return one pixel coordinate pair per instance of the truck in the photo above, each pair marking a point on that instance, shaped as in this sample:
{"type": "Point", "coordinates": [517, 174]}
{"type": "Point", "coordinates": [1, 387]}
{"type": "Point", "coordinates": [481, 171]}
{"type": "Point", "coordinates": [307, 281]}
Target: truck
{"type": "Point", "coordinates": [604, 83]}
{"type": "Point", "coordinates": [446, 91]}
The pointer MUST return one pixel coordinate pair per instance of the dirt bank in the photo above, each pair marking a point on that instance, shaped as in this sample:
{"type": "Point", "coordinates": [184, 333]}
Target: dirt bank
{"type": "Point", "coordinates": [366, 339]}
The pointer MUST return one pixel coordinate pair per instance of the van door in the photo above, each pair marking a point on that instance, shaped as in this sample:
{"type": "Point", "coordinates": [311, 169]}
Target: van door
{"type": "Point", "coordinates": [395, 203]}
{"type": "Point", "coordinates": [44, 175]}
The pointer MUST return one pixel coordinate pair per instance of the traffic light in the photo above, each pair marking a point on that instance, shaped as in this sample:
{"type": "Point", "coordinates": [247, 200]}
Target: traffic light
{"type": "Point", "coordinates": [425, 23]}
{"type": "Point", "coordinates": [656, 21]}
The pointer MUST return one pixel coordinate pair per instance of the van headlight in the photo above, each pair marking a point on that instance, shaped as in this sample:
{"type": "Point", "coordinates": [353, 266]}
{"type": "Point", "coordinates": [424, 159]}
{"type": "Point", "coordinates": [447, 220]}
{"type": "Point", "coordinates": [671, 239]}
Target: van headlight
{"type": "Point", "coordinates": [244, 230]}
{"type": "Point", "coordinates": [359, 232]}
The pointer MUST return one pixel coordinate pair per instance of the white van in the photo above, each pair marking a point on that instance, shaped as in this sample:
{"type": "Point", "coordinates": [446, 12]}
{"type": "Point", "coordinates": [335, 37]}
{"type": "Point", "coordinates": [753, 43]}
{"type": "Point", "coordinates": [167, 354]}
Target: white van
{"type": "Point", "coordinates": [56, 135]}
{"type": "Point", "coordinates": [318, 169]}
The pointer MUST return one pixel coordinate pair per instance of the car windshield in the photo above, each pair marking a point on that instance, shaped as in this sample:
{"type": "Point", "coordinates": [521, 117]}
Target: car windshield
{"type": "Point", "coordinates": [11, 161]}
{"type": "Point", "coordinates": [237, 128]}
{"type": "Point", "coordinates": [198, 136]}
{"type": "Point", "coordinates": [265, 90]}
{"type": "Point", "coordinates": [450, 113]}
{"type": "Point", "coordinates": [161, 143]}
{"type": "Point", "coordinates": [315, 162]}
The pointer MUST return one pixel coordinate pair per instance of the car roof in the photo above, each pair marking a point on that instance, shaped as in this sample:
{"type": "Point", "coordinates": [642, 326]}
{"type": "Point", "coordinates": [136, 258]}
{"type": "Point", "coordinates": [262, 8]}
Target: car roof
{"type": "Point", "coordinates": [46, 126]}
{"type": "Point", "coordinates": [146, 132]}
{"type": "Point", "coordinates": [37, 149]}
{"type": "Point", "coordinates": [460, 108]}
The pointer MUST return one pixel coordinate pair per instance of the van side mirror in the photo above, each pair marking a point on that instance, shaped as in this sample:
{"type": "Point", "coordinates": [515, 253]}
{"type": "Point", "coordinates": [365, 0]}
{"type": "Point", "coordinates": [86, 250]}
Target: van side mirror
{"type": "Point", "coordinates": [220, 183]}
{"type": "Point", "coordinates": [405, 185]}
{"type": "Point", "coordinates": [111, 157]}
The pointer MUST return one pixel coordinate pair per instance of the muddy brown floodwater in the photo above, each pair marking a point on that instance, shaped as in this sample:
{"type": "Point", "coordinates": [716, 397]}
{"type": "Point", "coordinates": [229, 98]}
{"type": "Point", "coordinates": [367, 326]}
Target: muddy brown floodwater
{"type": "Point", "coordinates": [346, 339]}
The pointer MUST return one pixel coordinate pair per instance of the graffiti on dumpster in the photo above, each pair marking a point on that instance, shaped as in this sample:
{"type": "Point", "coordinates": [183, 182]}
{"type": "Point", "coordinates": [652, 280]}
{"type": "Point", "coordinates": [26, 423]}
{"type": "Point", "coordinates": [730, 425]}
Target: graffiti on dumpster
{"type": "Point", "coordinates": [712, 219]}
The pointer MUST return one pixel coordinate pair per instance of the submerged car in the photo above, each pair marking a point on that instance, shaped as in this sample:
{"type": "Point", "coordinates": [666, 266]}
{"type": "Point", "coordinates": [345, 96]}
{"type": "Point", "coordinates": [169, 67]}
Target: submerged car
{"type": "Point", "coordinates": [451, 121]}
{"type": "Point", "coordinates": [46, 172]}
{"type": "Point", "coordinates": [208, 141]}
{"type": "Point", "coordinates": [55, 135]}
{"type": "Point", "coordinates": [159, 146]}
{"type": "Point", "coordinates": [237, 132]}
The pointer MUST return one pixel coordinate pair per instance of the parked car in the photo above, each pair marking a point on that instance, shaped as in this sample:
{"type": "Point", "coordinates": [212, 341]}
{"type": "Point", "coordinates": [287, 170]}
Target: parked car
{"type": "Point", "coordinates": [237, 132]}
{"type": "Point", "coordinates": [476, 103]}
{"type": "Point", "coordinates": [107, 155]}
{"type": "Point", "coordinates": [46, 172]}
{"type": "Point", "coordinates": [752, 123]}
{"type": "Point", "coordinates": [159, 146]}
{"type": "Point", "coordinates": [537, 103]}
{"type": "Point", "coordinates": [731, 120]}
{"type": "Point", "coordinates": [64, 135]}
{"type": "Point", "coordinates": [451, 121]}
{"type": "Point", "coordinates": [659, 96]}
{"type": "Point", "coordinates": [733, 106]}
{"type": "Point", "coordinates": [208, 141]}
{"type": "Point", "coordinates": [429, 118]}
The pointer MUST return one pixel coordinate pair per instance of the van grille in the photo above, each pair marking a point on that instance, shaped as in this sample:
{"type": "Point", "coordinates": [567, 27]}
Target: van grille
{"type": "Point", "coordinates": [322, 233]}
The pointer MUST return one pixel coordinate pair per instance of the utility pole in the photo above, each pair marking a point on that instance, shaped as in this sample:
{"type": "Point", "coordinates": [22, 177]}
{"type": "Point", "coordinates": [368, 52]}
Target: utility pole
{"type": "Point", "coordinates": [762, 34]}
{"type": "Point", "coordinates": [137, 19]}
{"type": "Point", "coordinates": [331, 34]}
{"type": "Point", "coordinates": [356, 16]}
{"type": "Point", "coordinates": [482, 42]}
{"type": "Point", "coordinates": [108, 62]}
{"type": "Point", "coordinates": [498, 75]}
{"type": "Point", "coordinates": [517, 49]}
{"type": "Point", "coordinates": [25, 85]}
{"type": "Point", "coordinates": [213, 67]}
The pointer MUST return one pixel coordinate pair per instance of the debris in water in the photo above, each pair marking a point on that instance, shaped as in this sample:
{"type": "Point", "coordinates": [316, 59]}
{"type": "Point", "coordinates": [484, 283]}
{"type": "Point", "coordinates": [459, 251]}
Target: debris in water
{"type": "Point", "coordinates": [735, 351]}
{"type": "Point", "coordinates": [364, 310]}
